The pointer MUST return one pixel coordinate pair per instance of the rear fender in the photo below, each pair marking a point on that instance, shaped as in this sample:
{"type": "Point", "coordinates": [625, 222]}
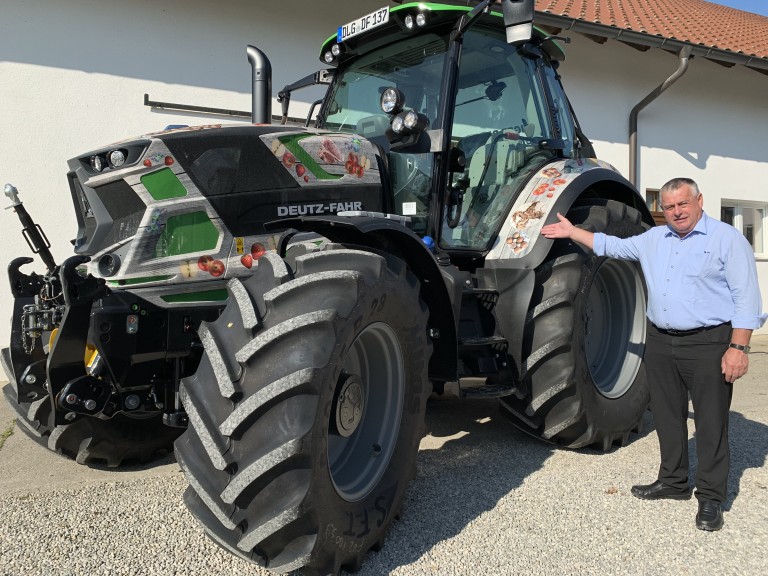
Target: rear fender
{"type": "Point", "coordinates": [441, 286]}
{"type": "Point", "coordinates": [553, 189]}
{"type": "Point", "coordinates": [520, 247]}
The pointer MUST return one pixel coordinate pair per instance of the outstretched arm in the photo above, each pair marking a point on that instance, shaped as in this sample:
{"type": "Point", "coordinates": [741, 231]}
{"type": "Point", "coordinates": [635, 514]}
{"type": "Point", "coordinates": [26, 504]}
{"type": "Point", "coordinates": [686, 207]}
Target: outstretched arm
{"type": "Point", "coordinates": [564, 229]}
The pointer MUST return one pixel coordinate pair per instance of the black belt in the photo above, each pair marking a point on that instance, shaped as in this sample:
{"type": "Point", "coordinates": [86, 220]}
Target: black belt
{"type": "Point", "coordinates": [672, 332]}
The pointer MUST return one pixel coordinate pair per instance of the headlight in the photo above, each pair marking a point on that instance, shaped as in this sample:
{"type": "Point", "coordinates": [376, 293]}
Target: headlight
{"type": "Point", "coordinates": [336, 50]}
{"type": "Point", "coordinates": [116, 158]}
{"type": "Point", "coordinates": [415, 121]}
{"type": "Point", "coordinates": [398, 125]}
{"type": "Point", "coordinates": [392, 101]}
{"type": "Point", "coordinates": [109, 264]}
{"type": "Point", "coordinates": [328, 57]}
{"type": "Point", "coordinates": [412, 21]}
{"type": "Point", "coordinates": [96, 163]}
{"type": "Point", "coordinates": [410, 119]}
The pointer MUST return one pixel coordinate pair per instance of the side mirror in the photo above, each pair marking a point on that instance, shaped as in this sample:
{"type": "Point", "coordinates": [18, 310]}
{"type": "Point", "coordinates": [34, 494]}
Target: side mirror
{"type": "Point", "coordinates": [518, 20]}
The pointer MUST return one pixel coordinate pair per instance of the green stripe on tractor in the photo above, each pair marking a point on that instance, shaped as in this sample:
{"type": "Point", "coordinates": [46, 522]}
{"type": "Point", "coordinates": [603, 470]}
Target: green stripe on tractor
{"type": "Point", "coordinates": [205, 296]}
{"type": "Point", "coordinates": [187, 233]}
{"type": "Point", "coordinates": [163, 185]}
{"type": "Point", "coordinates": [291, 143]}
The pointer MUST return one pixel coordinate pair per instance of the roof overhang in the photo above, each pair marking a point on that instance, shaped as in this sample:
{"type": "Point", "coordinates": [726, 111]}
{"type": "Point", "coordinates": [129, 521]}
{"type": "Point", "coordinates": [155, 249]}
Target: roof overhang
{"type": "Point", "coordinates": [642, 41]}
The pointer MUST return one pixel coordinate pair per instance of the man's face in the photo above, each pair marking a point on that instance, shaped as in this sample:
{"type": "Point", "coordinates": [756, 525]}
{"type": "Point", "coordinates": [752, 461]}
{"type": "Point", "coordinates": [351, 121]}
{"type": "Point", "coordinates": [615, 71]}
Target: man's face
{"type": "Point", "coordinates": [682, 210]}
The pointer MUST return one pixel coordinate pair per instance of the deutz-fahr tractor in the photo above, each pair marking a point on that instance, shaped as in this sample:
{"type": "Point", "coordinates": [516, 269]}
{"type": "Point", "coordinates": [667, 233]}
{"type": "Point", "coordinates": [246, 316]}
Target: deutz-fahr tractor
{"type": "Point", "coordinates": [289, 298]}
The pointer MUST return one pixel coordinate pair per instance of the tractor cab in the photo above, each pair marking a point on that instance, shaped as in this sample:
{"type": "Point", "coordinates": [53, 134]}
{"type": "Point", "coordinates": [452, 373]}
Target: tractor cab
{"type": "Point", "coordinates": [462, 116]}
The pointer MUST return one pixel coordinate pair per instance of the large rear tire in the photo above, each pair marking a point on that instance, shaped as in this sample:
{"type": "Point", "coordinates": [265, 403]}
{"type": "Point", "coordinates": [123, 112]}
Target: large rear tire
{"type": "Point", "coordinates": [307, 410]}
{"type": "Point", "coordinates": [583, 381]}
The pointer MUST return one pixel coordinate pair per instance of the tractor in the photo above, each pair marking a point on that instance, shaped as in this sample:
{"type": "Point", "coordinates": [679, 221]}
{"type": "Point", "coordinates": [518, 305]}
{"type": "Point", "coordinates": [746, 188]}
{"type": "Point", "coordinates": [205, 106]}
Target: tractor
{"type": "Point", "coordinates": [284, 300]}
{"type": "Point", "coordinates": [308, 405]}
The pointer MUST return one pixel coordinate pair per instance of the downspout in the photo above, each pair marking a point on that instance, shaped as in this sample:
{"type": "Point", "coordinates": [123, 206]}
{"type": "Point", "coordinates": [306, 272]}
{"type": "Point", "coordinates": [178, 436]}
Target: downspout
{"type": "Point", "coordinates": [685, 56]}
{"type": "Point", "coordinates": [261, 95]}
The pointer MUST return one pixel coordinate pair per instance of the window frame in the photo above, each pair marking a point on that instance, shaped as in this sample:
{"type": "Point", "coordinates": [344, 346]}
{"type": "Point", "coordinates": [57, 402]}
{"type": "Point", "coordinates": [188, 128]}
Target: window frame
{"type": "Point", "coordinates": [738, 207]}
{"type": "Point", "coordinates": [653, 202]}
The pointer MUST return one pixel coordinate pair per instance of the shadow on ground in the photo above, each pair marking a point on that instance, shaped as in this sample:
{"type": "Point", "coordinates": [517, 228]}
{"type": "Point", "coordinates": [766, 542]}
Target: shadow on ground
{"type": "Point", "coordinates": [749, 448]}
{"type": "Point", "coordinates": [471, 459]}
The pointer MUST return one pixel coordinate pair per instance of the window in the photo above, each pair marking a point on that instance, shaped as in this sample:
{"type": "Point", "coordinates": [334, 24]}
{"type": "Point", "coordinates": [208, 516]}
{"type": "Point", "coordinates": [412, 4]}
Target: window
{"type": "Point", "coordinates": [749, 219]}
{"type": "Point", "coordinates": [500, 120]}
{"type": "Point", "coordinates": [653, 201]}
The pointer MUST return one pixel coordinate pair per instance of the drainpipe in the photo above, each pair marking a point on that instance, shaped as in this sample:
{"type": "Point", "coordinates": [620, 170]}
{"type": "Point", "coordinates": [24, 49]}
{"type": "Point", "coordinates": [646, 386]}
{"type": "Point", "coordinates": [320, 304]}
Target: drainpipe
{"type": "Point", "coordinates": [261, 95]}
{"type": "Point", "coordinates": [685, 56]}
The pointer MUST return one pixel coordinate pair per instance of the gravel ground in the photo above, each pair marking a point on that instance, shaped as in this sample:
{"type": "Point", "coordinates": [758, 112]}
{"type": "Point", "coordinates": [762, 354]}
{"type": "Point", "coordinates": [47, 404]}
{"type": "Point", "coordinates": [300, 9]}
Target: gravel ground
{"type": "Point", "coordinates": [487, 500]}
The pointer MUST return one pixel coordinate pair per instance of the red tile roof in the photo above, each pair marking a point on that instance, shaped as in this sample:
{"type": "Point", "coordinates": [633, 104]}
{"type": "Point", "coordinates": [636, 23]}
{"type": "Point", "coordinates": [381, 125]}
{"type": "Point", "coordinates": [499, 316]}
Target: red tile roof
{"type": "Point", "coordinates": [696, 22]}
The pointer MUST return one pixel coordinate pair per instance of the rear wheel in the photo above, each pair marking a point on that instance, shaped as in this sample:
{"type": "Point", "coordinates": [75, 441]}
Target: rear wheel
{"type": "Point", "coordinates": [583, 381]}
{"type": "Point", "coordinates": [307, 410]}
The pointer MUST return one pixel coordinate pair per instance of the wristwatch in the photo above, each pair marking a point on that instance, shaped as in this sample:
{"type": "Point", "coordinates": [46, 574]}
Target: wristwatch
{"type": "Point", "coordinates": [741, 347]}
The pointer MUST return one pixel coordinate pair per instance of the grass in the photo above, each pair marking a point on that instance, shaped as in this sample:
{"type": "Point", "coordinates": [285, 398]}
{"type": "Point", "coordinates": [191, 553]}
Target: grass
{"type": "Point", "coordinates": [5, 434]}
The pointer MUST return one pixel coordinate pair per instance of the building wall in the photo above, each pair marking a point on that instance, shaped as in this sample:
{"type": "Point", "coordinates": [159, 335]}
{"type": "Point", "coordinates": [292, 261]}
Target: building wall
{"type": "Point", "coordinates": [73, 75]}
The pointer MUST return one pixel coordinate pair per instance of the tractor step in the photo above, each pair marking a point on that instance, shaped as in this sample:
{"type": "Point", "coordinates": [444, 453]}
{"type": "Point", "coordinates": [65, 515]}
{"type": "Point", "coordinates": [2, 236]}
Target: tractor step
{"type": "Point", "coordinates": [477, 388]}
{"type": "Point", "coordinates": [495, 342]}
{"type": "Point", "coordinates": [488, 297]}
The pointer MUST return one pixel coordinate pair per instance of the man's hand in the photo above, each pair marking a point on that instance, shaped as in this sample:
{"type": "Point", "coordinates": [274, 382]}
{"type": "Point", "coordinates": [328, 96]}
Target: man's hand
{"type": "Point", "coordinates": [734, 364]}
{"type": "Point", "coordinates": [561, 229]}
{"type": "Point", "coordinates": [564, 229]}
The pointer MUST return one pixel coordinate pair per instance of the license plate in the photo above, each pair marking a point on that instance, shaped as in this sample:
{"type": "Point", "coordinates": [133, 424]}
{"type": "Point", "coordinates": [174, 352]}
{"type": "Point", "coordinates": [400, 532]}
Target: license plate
{"type": "Point", "coordinates": [368, 22]}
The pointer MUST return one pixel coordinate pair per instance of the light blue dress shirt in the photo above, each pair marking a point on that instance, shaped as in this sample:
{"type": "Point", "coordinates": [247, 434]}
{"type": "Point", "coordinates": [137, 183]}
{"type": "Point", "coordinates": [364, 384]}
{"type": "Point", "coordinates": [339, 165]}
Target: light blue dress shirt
{"type": "Point", "coordinates": [704, 279]}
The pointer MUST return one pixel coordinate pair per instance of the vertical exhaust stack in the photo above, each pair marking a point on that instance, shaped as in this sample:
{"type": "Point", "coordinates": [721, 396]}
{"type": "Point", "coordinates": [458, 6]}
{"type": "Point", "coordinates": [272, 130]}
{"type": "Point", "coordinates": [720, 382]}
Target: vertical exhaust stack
{"type": "Point", "coordinates": [261, 105]}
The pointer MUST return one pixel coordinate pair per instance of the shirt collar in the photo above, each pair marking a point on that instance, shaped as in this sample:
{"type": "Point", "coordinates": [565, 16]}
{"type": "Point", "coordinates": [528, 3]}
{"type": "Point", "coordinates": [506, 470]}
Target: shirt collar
{"type": "Point", "coordinates": [701, 227]}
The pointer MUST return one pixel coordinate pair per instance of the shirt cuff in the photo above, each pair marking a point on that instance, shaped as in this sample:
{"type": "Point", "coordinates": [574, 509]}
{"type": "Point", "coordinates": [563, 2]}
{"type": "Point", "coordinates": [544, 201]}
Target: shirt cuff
{"type": "Point", "coordinates": [748, 322]}
{"type": "Point", "coordinates": [598, 244]}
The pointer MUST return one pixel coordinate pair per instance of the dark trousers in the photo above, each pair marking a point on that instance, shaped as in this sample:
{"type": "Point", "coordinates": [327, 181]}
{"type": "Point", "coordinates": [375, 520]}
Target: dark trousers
{"type": "Point", "coordinates": [679, 366]}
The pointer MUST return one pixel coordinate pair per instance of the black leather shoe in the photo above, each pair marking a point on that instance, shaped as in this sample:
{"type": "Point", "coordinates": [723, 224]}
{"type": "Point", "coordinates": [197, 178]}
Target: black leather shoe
{"type": "Point", "coordinates": [710, 516]}
{"type": "Point", "coordinates": [658, 490]}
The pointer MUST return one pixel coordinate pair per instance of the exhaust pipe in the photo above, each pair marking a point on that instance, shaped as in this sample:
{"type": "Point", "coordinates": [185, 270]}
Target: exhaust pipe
{"type": "Point", "coordinates": [261, 99]}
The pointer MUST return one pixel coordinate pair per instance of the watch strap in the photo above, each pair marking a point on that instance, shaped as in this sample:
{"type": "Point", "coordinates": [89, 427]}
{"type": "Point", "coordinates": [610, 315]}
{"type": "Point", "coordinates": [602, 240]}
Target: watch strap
{"type": "Point", "coordinates": [741, 347]}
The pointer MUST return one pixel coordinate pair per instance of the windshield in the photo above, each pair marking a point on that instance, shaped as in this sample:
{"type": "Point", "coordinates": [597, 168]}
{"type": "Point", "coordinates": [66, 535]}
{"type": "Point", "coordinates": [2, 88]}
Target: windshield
{"type": "Point", "coordinates": [500, 119]}
{"type": "Point", "coordinates": [414, 65]}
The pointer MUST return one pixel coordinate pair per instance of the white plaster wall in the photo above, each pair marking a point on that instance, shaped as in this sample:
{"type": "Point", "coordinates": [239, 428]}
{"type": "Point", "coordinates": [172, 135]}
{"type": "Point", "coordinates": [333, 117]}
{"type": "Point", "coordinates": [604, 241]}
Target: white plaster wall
{"type": "Point", "coordinates": [73, 74]}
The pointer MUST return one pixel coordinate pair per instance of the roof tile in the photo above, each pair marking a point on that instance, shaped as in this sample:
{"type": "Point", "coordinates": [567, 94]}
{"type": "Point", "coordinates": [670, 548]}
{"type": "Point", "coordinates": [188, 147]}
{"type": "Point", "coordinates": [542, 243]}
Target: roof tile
{"type": "Point", "coordinates": [695, 21]}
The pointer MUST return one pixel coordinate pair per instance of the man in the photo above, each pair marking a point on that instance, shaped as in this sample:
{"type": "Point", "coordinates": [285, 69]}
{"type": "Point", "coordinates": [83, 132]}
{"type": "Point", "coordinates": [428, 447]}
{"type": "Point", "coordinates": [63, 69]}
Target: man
{"type": "Point", "coordinates": [703, 304]}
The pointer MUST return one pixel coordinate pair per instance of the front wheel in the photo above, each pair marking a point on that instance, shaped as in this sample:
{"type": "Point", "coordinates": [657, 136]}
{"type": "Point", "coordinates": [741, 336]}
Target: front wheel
{"type": "Point", "coordinates": [583, 381]}
{"type": "Point", "coordinates": [87, 440]}
{"type": "Point", "coordinates": [307, 410]}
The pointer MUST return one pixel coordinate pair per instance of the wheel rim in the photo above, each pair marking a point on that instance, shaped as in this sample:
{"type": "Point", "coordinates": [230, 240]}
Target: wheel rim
{"type": "Point", "coordinates": [614, 327]}
{"type": "Point", "coordinates": [365, 414]}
